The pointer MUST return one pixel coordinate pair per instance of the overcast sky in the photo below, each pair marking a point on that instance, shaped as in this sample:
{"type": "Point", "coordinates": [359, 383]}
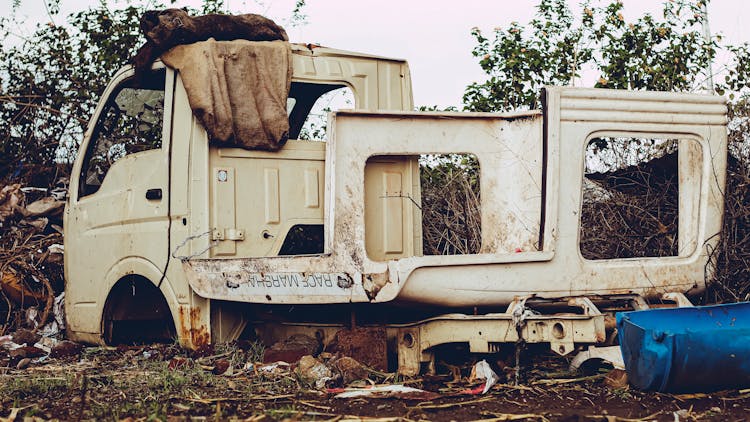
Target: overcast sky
{"type": "Point", "coordinates": [434, 36]}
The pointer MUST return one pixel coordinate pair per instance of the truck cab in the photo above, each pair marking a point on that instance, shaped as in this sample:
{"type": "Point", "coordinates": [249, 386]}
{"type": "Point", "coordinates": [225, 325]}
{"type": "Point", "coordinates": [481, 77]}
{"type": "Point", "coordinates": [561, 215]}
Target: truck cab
{"type": "Point", "coordinates": [170, 237]}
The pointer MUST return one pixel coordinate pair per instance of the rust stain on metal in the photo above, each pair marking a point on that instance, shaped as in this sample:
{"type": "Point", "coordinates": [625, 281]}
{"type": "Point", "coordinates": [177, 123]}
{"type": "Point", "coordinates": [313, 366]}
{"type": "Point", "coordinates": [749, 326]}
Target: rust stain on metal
{"type": "Point", "coordinates": [191, 328]}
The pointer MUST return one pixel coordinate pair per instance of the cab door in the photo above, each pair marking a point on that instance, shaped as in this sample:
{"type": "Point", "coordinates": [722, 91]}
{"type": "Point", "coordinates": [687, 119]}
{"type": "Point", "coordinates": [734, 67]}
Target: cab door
{"type": "Point", "coordinates": [117, 218]}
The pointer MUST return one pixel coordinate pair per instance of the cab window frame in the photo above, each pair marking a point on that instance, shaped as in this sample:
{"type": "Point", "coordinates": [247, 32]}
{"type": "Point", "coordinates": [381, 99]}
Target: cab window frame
{"type": "Point", "coordinates": [305, 94]}
{"type": "Point", "coordinates": [156, 80]}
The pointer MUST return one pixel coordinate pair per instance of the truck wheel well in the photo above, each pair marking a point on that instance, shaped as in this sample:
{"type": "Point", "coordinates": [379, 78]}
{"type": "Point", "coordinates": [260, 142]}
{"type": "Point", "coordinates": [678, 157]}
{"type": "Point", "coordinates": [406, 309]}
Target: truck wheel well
{"type": "Point", "coordinates": [137, 312]}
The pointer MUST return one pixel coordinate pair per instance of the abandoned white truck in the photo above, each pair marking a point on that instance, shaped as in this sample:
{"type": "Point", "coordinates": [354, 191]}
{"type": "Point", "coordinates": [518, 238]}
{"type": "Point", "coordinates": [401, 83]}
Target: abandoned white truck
{"type": "Point", "coordinates": [168, 236]}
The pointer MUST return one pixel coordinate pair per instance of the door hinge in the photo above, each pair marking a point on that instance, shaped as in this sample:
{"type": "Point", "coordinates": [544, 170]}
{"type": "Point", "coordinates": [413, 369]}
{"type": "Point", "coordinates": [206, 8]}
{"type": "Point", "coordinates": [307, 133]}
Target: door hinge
{"type": "Point", "coordinates": [228, 234]}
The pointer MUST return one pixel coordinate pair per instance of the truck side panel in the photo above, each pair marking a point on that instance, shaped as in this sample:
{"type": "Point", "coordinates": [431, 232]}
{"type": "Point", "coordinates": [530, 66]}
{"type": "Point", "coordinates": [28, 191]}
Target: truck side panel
{"type": "Point", "coordinates": [523, 204]}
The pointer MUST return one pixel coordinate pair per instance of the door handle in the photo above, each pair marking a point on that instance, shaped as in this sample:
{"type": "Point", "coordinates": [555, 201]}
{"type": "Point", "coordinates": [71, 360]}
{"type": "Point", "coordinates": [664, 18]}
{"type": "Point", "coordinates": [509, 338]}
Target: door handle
{"type": "Point", "coordinates": [153, 194]}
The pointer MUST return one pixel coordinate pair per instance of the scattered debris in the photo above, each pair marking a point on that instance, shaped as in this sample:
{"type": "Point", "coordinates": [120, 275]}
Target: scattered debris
{"type": "Point", "coordinates": [24, 336]}
{"type": "Point", "coordinates": [23, 363]}
{"type": "Point", "coordinates": [14, 287]}
{"type": "Point", "coordinates": [274, 368]}
{"type": "Point", "coordinates": [27, 352]}
{"type": "Point", "coordinates": [47, 343]}
{"type": "Point", "coordinates": [65, 349]}
{"type": "Point", "coordinates": [56, 253]}
{"type": "Point", "coordinates": [31, 275]}
{"type": "Point", "coordinates": [32, 317]}
{"type": "Point", "coordinates": [611, 355]}
{"type": "Point", "coordinates": [11, 198]}
{"type": "Point", "coordinates": [221, 366]}
{"type": "Point", "coordinates": [31, 256]}
{"type": "Point", "coordinates": [43, 207]}
{"type": "Point", "coordinates": [313, 372]}
{"type": "Point", "coordinates": [617, 378]}
{"type": "Point", "coordinates": [482, 371]}
{"type": "Point", "coordinates": [292, 349]}
{"type": "Point", "coordinates": [178, 362]}
{"type": "Point", "coordinates": [134, 380]}
{"type": "Point", "coordinates": [384, 392]}
{"type": "Point", "coordinates": [366, 345]}
{"type": "Point", "coordinates": [560, 381]}
{"type": "Point", "coordinates": [349, 370]}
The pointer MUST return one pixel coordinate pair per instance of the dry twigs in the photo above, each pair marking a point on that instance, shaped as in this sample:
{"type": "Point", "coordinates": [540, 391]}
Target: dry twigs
{"type": "Point", "coordinates": [559, 381]}
{"type": "Point", "coordinates": [498, 417]}
{"type": "Point", "coordinates": [631, 212]}
{"type": "Point", "coordinates": [29, 274]}
{"type": "Point", "coordinates": [428, 405]}
{"type": "Point", "coordinates": [612, 418]}
{"type": "Point", "coordinates": [730, 261]}
{"type": "Point", "coordinates": [451, 218]}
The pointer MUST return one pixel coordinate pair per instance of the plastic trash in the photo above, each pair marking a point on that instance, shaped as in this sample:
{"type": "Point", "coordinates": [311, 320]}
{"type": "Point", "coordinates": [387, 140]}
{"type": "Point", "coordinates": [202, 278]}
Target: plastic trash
{"type": "Point", "coordinates": [483, 371]}
{"type": "Point", "coordinates": [687, 350]}
{"type": "Point", "coordinates": [385, 391]}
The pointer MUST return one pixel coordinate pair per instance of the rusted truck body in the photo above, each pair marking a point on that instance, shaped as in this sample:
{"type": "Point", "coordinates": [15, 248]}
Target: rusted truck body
{"type": "Point", "coordinates": [208, 244]}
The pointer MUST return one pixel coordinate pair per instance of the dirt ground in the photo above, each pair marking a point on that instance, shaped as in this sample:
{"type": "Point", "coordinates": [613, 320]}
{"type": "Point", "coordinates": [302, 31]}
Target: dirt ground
{"type": "Point", "coordinates": [165, 382]}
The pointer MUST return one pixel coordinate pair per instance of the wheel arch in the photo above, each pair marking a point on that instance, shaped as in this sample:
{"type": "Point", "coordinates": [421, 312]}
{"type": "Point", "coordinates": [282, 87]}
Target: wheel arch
{"type": "Point", "coordinates": [145, 276]}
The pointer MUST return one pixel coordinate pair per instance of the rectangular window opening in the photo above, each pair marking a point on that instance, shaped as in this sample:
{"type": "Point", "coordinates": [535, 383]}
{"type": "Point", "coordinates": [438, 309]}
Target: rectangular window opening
{"type": "Point", "coordinates": [308, 106]}
{"type": "Point", "coordinates": [640, 197]}
{"type": "Point", "coordinates": [422, 205]}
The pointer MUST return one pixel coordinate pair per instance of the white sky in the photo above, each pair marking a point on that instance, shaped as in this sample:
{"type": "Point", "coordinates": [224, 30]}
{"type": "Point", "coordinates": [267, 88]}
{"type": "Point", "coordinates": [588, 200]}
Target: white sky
{"type": "Point", "coordinates": [434, 36]}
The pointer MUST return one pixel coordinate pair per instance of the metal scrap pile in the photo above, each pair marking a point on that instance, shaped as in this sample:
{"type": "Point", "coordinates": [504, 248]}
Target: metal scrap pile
{"type": "Point", "coordinates": [31, 257]}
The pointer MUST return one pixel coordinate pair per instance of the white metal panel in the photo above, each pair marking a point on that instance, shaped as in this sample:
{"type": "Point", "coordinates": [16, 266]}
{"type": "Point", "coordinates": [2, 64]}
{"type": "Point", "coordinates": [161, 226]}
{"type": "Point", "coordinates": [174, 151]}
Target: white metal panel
{"type": "Point", "coordinates": [509, 148]}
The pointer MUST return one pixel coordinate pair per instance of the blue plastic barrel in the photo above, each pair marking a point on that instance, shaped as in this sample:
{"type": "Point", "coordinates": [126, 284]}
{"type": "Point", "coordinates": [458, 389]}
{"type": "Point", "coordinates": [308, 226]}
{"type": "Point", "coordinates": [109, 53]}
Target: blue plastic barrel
{"type": "Point", "coordinates": [687, 350]}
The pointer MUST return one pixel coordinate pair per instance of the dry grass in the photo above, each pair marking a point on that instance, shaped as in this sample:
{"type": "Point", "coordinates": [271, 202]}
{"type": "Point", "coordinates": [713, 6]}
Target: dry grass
{"type": "Point", "coordinates": [141, 384]}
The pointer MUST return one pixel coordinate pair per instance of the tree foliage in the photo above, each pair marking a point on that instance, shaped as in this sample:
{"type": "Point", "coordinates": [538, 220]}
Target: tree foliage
{"type": "Point", "coordinates": [664, 54]}
{"type": "Point", "coordinates": [50, 81]}
{"type": "Point", "coordinates": [522, 58]}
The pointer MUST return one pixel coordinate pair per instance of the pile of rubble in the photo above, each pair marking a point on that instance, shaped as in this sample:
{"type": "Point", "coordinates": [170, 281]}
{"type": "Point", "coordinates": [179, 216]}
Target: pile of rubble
{"type": "Point", "coordinates": [348, 372]}
{"type": "Point", "coordinates": [31, 259]}
{"type": "Point", "coordinates": [333, 374]}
